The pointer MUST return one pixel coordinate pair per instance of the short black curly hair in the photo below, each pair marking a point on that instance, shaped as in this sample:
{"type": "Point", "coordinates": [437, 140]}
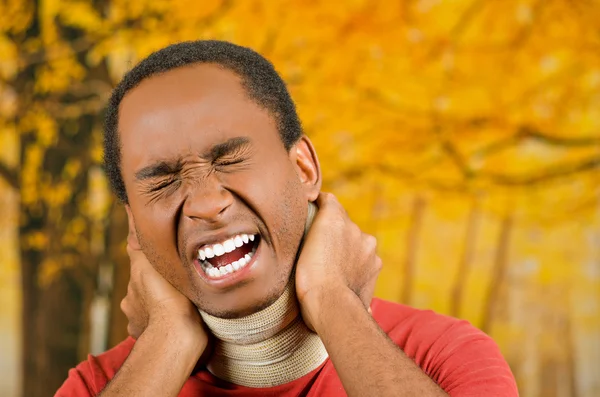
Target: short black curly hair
{"type": "Point", "coordinates": [262, 83]}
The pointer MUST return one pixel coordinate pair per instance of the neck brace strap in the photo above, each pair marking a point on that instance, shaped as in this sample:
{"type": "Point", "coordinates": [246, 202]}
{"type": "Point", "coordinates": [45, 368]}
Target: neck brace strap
{"type": "Point", "coordinates": [267, 348]}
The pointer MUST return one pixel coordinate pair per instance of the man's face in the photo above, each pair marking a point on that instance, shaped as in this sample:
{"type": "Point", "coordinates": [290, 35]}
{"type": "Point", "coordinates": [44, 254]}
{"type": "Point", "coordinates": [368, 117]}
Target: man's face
{"type": "Point", "coordinates": [202, 164]}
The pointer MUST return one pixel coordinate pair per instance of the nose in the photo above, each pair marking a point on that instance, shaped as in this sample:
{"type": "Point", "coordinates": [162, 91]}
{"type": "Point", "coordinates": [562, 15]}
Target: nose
{"type": "Point", "coordinates": [207, 201]}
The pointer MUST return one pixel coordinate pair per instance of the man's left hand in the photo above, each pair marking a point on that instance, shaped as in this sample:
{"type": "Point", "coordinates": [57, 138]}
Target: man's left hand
{"type": "Point", "coordinates": [337, 258]}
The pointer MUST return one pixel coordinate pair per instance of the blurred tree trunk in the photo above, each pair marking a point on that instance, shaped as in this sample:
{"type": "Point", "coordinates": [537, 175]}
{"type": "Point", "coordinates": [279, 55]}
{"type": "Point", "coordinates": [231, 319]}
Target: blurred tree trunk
{"type": "Point", "coordinates": [58, 268]}
{"type": "Point", "coordinates": [412, 247]}
{"type": "Point", "coordinates": [30, 258]}
{"type": "Point", "coordinates": [466, 258]}
{"type": "Point", "coordinates": [570, 349]}
{"type": "Point", "coordinates": [549, 380]}
{"type": "Point", "coordinates": [501, 260]}
{"type": "Point", "coordinates": [117, 254]}
{"type": "Point", "coordinates": [55, 306]}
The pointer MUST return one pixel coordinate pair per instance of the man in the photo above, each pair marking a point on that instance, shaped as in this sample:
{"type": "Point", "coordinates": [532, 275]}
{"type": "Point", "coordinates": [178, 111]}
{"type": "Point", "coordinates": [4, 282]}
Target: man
{"type": "Point", "coordinates": [204, 148]}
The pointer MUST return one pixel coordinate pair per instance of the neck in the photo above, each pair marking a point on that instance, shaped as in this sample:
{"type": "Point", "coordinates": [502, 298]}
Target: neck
{"type": "Point", "coordinates": [267, 348]}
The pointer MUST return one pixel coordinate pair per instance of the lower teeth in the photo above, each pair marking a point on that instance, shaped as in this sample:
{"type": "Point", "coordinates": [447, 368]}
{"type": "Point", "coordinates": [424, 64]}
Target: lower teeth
{"type": "Point", "coordinates": [214, 272]}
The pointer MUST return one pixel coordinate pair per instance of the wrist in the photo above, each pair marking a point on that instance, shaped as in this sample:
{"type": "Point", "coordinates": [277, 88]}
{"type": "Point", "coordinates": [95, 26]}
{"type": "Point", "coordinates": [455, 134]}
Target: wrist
{"type": "Point", "coordinates": [178, 334]}
{"type": "Point", "coordinates": [318, 304]}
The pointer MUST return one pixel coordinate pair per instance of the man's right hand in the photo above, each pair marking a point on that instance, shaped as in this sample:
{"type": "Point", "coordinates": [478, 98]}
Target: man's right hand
{"type": "Point", "coordinates": [170, 334]}
{"type": "Point", "coordinates": [153, 300]}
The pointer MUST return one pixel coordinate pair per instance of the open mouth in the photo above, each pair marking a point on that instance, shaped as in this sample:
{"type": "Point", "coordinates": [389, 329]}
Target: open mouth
{"type": "Point", "coordinates": [219, 260]}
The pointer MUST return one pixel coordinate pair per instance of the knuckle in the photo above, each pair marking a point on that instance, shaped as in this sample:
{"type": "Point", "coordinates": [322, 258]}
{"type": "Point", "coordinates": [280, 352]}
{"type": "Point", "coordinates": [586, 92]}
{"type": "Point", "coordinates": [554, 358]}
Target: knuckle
{"type": "Point", "coordinates": [370, 241]}
{"type": "Point", "coordinates": [378, 263]}
{"type": "Point", "coordinates": [124, 305]}
{"type": "Point", "coordinates": [329, 200]}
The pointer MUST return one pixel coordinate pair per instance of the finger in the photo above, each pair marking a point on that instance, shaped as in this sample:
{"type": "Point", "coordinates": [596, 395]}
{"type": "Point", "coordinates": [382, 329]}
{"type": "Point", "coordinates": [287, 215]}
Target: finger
{"type": "Point", "coordinates": [133, 331]}
{"type": "Point", "coordinates": [133, 252]}
{"type": "Point", "coordinates": [368, 290]}
{"type": "Point", "coordinates": [326, 199]}
{"type": "Point", "coordinates": [328, 203]}
{"type": "Point", "coordinates": [133, 328]}
{"type": "Point", "coordinates": [137, 260]}
{"type": "Point", "coordinates": [366, 295]}
{"type": "Point", "coordinates": [369, 243]}
{"type": "Point", "coordinates": [132, 239]}
{"type": "Point", "coordinates": [133, 261]}
{"type": "Point", "coordinates": [125, 307]}
{"type": "Point", "coordinates": [378, 265]}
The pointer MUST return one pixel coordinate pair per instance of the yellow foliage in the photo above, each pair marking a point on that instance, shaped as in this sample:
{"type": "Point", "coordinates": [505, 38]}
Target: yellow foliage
{"type": "Point", "coordinates": [72, 168]}
{"type": "Point", "coordinates": [51, 269]}
{"type": "Point", "coordinates": [30, 174]}
{"type": "Point", "coordinates": [59, 75]}
{"type": "Point", "coordinates": [98, 203]}
{"type": "Point", "coordinates": [81, 14]}
{"type": "Point", "coordinates": [8, 58]}
{"type": "Point", "coordinates": [16, 15]}
{"type": "Point", "coordinates": [35, 240]}
{"type": "Point", "coordinates": [428, 116]}
{"type": "Point", "coordinates": [57, 195]}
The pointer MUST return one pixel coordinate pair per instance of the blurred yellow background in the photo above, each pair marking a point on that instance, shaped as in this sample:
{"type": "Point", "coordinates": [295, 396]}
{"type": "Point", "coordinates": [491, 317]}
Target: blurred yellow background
{"type": "Point", "coordinates": [464, 134]}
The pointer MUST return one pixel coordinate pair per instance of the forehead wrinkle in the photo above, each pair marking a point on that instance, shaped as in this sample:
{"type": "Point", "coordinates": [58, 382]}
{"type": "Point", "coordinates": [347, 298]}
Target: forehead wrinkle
{"type": "Point", "coordinates": [164, 167]}
{"type": "Point", "coordinates": [158, 168]}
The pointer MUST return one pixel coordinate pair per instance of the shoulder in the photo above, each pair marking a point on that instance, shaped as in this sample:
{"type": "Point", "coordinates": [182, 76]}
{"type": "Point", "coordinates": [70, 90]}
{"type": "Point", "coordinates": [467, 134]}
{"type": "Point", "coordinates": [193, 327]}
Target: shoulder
{"type": "Point", "coordinates": [407, 325]}
{"type": "Point", "coordinates": [92, 375]}
{"type": "Point", "coordinates": [462, 359]}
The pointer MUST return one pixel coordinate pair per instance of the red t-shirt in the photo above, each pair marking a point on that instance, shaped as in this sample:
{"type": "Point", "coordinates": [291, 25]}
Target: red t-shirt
{"type": "Point", "coordinates": [461, 359]}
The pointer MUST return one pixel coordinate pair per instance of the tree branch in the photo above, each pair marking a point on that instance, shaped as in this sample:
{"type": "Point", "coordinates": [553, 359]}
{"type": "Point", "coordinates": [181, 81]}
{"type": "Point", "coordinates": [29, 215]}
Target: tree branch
{"type": "Point", "coordinates": [495, 147]}
{"type": "Point", "coordinates": [530, 133]}
{"type": "Point", "coordinates": [556, 172]}
{"type": "Point", "coordinates": [357, 172]}
{"type": "Point", "coordinates": [84, 44]}
{"type": "Point", "coordinates": [466, 17]}
{"type": "Point", "coordinates": [526, 132]}
{"type": "Point", "coordinates": [458, 160]}
{"type": "Point", "coordinates": [10, 175]}
{"type": "Point", "coordinates": [548, 175]}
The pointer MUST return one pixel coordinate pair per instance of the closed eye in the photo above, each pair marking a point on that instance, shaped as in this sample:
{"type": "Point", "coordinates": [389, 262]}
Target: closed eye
{"type": "Point", "coordinates": [162, 189]}
{"type": "Point", "coordinates": [160, 185]}
{"type": "Point", "coordinates": [228, 161]}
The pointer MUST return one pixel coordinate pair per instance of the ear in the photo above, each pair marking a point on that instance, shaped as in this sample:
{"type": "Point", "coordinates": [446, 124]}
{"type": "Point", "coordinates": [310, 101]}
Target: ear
{"type": "Point", "coordinates": [132, 239]}
{"type": "Point", "coordinates": [305, 160]}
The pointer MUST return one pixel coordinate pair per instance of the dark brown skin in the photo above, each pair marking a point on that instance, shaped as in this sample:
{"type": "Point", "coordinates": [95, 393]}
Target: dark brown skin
{"type": "Point", "coordinates": [180, 116]}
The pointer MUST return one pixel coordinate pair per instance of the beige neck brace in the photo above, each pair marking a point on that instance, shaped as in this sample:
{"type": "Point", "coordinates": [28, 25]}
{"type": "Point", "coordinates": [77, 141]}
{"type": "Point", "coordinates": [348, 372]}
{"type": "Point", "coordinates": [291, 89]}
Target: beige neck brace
{"type": "Point", "coordinates": [267, 348]}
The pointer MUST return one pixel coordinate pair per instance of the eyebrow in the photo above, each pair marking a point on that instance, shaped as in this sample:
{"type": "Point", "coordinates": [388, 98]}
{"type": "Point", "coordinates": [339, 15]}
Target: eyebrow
{"type": "Point", "coordinates": [162, 168]}
{"type": "Point", "coordinates": [166, 168]}
{"type": "Point", "coordinates": [227, 147]}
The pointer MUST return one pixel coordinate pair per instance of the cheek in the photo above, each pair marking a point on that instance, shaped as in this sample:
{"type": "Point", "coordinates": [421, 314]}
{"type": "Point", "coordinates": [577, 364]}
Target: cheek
{"type": "Point", "coordinates": [156, 232]}
{"type": "Point", "coordinates": [289, 215]}
{"type": "Point", "coordinates": [272, 189]}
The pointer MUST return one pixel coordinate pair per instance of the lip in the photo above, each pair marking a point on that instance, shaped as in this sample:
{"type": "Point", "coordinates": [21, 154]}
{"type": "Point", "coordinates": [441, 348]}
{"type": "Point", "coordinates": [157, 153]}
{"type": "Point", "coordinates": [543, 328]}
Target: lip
{"type": "Point", "coordinates": [215, 238]}
{"type": "Point", "coordinates": [231, 279]}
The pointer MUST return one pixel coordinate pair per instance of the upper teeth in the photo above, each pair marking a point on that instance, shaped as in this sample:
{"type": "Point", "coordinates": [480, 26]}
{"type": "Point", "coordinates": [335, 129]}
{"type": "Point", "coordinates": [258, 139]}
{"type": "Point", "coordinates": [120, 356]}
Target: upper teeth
{"type": "Point", "coordinates": [212, 250]}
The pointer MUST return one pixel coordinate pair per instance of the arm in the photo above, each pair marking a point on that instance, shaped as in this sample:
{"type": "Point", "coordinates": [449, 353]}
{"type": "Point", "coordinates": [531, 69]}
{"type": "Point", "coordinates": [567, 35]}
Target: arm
{"type": "Point", "coordinates": [159, 364]}
{"type": "Point", "coordinates": [169, 342]}
{"type": "Point", "coordinates": [335, 279]}
{"type": "Point", "coordinates": [366, 360]}
{"type": "Point", "coordinates": [171, 335]}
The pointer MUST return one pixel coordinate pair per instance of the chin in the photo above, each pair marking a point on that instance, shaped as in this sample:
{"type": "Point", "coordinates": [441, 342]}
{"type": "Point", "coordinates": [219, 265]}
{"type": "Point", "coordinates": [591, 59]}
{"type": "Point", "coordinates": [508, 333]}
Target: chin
{"type": "Point", "coordinates": [238, 309]}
